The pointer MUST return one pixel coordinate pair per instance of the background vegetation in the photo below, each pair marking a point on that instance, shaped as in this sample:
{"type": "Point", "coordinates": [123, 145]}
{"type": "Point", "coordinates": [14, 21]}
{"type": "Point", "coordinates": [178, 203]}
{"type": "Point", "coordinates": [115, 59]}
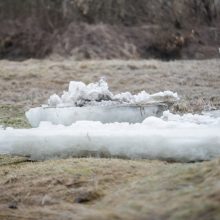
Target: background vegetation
{"type": "Point", "coordinates": [93, 29]}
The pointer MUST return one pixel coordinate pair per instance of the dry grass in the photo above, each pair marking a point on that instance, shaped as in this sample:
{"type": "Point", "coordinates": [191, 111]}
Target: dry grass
{"type": "Point", "coordinates": [13, 116]}
{"type": "Point", "coordinates": [107, 188]}
{"type": "Point", "coordinates": [30, 83]}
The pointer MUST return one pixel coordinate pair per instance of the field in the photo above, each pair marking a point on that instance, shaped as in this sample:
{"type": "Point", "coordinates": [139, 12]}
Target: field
{"type": "Point", "coordinates": [99, 188]}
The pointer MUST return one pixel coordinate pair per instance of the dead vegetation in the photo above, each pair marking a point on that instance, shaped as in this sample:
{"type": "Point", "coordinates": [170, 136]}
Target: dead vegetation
{"type": "Point", "coordinates": [25, 84]}
{"type": "Point", "coordinates": [94, 29]}
{"type": "Point", "coordinates": [98, 188]}
{"type": "Point", "coordinates": [109, 189]}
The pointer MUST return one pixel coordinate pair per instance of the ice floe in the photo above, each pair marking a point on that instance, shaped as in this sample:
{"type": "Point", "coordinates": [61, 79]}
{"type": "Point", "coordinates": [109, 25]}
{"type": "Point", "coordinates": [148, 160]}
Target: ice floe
{"type": "Point", "coordinates": [170, 137]}
{"type": "Point", "coordinates": [95, 102]}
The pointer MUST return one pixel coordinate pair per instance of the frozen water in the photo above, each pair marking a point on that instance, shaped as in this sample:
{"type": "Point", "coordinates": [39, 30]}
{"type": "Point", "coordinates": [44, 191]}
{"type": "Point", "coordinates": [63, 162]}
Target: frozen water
{"type": "Point", "coordinates": [80, 94]}
{"type": "Point", "coordinates": [208, 119]}
{"type": "Point", "coordinates": [105, 114]}
{"type": "Point", "coordinates": [98, 93]}
{"type": "Point", "coordinates": [94, 102]}
{"type": "Point", "coordinates": [54, 100]}
{"type": "Point", "coordinates": [171, 137]}
{"type": "Point", "coordinates": [213, 113]}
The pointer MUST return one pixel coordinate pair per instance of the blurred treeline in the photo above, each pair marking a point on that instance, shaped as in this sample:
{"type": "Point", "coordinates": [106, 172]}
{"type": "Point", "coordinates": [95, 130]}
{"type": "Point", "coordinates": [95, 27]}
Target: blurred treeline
{"type": "Point", "coordinates": [53, 13]}
{"type": "Point", "coordinates": [34, 28]}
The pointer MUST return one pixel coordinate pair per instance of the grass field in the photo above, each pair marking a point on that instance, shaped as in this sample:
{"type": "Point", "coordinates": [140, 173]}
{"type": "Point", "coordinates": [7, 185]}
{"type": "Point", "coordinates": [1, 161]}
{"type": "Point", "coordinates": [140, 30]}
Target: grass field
{"type": "Point", "coordinates": [98, 188]}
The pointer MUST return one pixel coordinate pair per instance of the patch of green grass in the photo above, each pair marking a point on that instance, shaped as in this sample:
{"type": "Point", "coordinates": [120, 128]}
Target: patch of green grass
{"type": "Point", "coordinates": [13, 116]}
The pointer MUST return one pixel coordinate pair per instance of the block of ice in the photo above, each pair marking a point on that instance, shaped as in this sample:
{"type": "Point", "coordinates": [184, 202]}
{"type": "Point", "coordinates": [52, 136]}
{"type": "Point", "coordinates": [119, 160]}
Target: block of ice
{"type": "Point", "coordinates": [171, 137]}
{"type": "Point", "coordinates": [94, 102]}
{"type": "Point", "coordinates": [105, 114]}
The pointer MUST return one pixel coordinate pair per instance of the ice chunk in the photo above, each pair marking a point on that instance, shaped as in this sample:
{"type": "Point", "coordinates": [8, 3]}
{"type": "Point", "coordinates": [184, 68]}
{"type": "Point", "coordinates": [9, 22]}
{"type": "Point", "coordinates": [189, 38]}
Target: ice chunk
{"type": "Point", "coordinates": [175, 138]}
{"type": "Point", "coordinates": [54, 100]}
{"type": "Point", "coordinates": [98, 91]}
{"type": "Point", "coordinates": [143, 97]}
{"type": "Point", "coordinates": [75, 87]}
{"type": "Point", "coordinates": [97, 103]}
{"type": "Point", "coordinates": [105, 114]}
{"type": "Point", "coordinates": [191, 118]}
{"type": "Point", "coordinates": [80, 94]}
{"type": "Point", "coordinates": [126, 97]}
{"type": "Point", "coordinates": [166, 96]}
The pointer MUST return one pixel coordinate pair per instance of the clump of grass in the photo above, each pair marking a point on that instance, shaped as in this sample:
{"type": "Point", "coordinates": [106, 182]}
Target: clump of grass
{"type": "Point", "coordinates": [192, 106]}
{"type": "Point", "coordinates": [9, 160]}
{"type": "Point", "coordinates": [13, 116]}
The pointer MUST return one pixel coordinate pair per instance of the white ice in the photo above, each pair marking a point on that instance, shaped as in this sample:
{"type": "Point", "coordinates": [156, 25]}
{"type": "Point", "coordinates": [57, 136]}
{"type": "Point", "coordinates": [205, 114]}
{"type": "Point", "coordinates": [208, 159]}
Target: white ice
{"type": "Point", "coordinates": [213, 113]}
{"type": "Point", "coordinates": [105, 114]}
{"type": "Point", "coordinates": [80, 94]}
{"type": "Point", "coordinates": [94, 102]}
{"type": "Point", "coordinates": [171, 137]}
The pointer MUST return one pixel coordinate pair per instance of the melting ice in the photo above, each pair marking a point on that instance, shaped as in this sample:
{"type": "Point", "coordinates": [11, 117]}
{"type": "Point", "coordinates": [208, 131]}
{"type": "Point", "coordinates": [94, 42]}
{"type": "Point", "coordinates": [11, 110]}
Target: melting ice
{"type": "Point", "coordinates": [80, 94]}
{"type": "Point", "coordinates": [170, 137]}
{"type": "Point", "coordinates": [95, 102]}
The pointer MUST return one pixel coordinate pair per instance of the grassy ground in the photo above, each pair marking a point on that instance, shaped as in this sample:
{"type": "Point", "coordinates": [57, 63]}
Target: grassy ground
{"type": "Point", "coordinates": [13, 116]}
{"type": "Point", "coordinates": [93, 188]}
{"type": "Point", "coordinates": [109, 189]}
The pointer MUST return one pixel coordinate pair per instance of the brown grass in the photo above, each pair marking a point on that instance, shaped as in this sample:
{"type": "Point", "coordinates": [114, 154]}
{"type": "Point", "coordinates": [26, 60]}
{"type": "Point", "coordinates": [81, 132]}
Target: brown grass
{"type": "Point", "coordinates": [95, 188]}
{"type": "Point", "coordinates": [30, 83]}
{"type": "Point", "coordinates": [109, 189]}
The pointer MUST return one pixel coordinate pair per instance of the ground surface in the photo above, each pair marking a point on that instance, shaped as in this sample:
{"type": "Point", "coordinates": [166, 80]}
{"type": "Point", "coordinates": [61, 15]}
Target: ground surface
{"type": "Point", "coordinates": [95, 188]}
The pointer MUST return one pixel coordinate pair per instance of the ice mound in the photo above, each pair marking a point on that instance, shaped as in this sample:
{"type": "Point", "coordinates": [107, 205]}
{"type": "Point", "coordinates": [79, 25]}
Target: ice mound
{"type": "Point", "coordinates": [98, 93]}
{"type": "Point", "coordinates": [170, 137]}
{"type": "Point", "coordinates": [80, 94]}
{"type": "Point", "coordinates": [94, 102]}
